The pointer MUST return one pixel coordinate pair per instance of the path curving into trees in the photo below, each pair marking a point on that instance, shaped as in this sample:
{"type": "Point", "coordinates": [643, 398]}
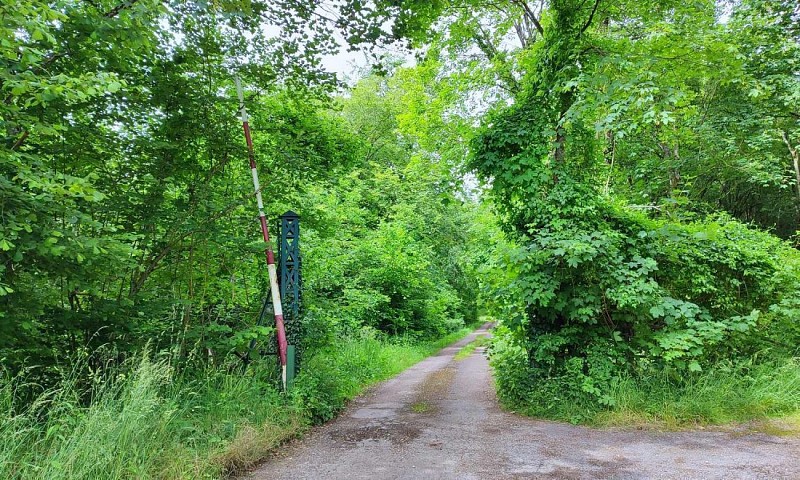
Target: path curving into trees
{"type": "Point", "coordinates": [440, 420]}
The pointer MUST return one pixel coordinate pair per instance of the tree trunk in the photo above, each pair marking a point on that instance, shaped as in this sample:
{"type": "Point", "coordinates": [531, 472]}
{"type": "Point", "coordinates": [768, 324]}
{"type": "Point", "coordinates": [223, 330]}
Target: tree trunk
{"type": "Point", "coordinates": [566, 100]}
{"type": "Point", "coordinates": [795, 162]}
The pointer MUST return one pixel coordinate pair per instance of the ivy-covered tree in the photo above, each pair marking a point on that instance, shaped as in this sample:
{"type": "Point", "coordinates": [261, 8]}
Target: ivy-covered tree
{"type": "Point", "coordinates": [606, 286]}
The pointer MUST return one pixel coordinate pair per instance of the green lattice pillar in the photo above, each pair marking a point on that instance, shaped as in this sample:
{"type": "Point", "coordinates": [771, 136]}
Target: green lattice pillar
{"type": "Point", "coordinates": [291, 281]}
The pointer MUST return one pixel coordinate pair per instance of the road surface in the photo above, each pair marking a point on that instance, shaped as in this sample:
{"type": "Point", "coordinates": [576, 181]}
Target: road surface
{"type": "Point", "coordinates": [440, 420]}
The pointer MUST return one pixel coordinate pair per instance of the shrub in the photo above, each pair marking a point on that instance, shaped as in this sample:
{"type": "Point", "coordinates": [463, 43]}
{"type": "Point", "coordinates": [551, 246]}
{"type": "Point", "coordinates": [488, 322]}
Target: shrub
{"type": "Point", "coordinates": [631, 294]}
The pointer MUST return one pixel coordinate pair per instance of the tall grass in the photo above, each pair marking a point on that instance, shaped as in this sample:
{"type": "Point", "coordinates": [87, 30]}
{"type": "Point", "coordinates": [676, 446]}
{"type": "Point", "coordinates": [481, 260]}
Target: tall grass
{"type": "Point", "coordinates": [730, 393]}
{"type": "Point", "coordinates": [146, 421]}
{"type": "Point", "coordinates": [748, 391]}
{"type": "Point", "coordinates": [126, 425]}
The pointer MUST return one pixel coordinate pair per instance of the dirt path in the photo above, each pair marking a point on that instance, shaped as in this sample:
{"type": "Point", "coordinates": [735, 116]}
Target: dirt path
{"type": "Point", "coordinates": [440, 420]}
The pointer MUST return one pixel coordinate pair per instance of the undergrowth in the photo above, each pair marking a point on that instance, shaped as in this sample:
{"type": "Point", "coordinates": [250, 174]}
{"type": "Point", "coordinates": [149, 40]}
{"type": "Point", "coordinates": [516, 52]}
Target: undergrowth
{"type": "Point", "coordinates": [745, 392]}
{"type": "Point", "coordinates": [752, 391]}
{"type": "Point", "coordinates": [144, 420]}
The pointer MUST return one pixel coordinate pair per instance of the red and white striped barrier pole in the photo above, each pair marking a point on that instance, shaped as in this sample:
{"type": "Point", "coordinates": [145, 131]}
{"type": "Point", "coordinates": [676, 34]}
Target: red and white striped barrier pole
{"type": "Point", "coordinates": [273, 275]}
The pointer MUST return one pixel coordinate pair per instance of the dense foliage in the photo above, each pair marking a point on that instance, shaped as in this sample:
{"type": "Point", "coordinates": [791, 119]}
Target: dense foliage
{"type": "Point", "coordinates": [606, 288]}
{"type": "Point", "coordinates": [617, 181]}
{"type": "Point", "coordinates": [128, 216]}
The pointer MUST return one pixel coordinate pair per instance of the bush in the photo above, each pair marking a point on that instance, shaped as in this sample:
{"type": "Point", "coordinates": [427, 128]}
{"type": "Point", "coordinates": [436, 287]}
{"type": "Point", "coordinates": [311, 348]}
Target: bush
{"type": "Point", "coordinates": [512, 368]}
{"type": "Point", "coordinates": [621, 294]}
{"type": "Point", "coordinates": [391, 287]}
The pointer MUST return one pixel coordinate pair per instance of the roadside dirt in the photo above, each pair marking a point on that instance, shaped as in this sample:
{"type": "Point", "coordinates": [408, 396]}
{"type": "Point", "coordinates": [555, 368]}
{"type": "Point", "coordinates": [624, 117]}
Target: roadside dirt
{"type": "Point", "coordinates": [440, 420]}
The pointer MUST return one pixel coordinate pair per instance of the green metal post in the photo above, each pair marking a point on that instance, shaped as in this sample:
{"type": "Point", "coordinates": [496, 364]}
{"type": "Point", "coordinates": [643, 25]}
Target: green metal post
{"type": "Point", "coordinates": [290, 366]}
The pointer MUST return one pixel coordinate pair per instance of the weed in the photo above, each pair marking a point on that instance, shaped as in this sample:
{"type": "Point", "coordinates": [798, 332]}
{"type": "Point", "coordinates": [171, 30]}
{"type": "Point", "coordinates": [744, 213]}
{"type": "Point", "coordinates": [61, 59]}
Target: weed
{"type": "Point", "coordinates": [420, 407]}
{"type": "Point", "coordinates": [467, 349]}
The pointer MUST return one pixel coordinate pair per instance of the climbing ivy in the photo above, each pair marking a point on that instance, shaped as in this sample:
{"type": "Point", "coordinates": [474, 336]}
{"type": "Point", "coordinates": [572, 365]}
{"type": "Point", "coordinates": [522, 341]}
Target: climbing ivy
{"type": "Point", "coordinates": [601, 287]}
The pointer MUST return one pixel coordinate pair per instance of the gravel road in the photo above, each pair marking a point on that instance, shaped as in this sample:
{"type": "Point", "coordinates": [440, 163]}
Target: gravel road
{"type": "Point", "coordinates": [440, 420]}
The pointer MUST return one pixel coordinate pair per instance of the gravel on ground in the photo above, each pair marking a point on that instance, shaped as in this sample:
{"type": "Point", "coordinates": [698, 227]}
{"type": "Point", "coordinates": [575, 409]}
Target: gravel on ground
{"type": "Point", "coordinates": [440, 420]}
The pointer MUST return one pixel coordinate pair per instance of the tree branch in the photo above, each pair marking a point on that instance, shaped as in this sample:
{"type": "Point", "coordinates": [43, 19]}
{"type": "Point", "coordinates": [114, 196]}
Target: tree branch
{"type": "Point", "coordinates": [529, 13]}
{"type": "Point", "coordinates": [591, 16]}
{"type": "Point", "coordinates": [109, 14]}
{"type": "Point", "coordinates": [122, 6]}
{"type": "Point", "coordinates": [173, 240]}
{"type": "Point", "coordinates": [93, 3]}
{"type": "Point", "coordinates": [20, 140]}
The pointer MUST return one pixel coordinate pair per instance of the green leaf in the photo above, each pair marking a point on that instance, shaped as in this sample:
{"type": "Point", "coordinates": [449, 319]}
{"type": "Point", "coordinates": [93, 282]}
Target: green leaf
{"type": "Point", "coordinates": [113, 87]}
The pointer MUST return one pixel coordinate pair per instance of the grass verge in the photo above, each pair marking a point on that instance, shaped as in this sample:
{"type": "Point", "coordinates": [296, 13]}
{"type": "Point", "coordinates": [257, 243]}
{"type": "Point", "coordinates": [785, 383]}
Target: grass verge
{"type": "Point", "coordinates": [761, 397]}
{"type": "Point", "coordinates": [751, 393]}
{"type": "Point", "coordinates": [146, 421]}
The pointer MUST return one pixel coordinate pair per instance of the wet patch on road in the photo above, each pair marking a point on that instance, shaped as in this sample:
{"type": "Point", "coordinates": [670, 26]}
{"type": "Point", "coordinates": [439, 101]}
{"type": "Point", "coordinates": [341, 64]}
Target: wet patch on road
{"type": "Point", "coordinates": [395, 432]}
